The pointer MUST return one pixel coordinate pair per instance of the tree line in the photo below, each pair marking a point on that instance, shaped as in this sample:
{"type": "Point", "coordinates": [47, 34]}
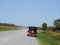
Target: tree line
{"type": "Point", "coordinates": [55, 27]}
{"type": "Point", "coordinates": [6, 24]}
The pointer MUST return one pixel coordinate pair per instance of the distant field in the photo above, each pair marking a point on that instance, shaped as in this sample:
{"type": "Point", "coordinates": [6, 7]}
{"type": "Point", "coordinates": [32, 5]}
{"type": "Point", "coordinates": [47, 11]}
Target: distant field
{"type": "Point", "coordinates": [4, 28]}
{"type": "Point", "coordinates": [48, 37]}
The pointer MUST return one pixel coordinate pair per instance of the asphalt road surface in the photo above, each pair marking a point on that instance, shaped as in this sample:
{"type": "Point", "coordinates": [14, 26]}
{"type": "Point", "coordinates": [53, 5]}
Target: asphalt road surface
{"type": "Point", "coordinates": [17, 37]}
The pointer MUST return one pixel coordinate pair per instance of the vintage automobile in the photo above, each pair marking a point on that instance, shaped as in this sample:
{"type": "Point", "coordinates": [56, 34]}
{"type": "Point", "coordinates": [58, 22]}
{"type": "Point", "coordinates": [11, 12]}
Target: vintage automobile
{"type": "Point", "coordinates": [32, 31]}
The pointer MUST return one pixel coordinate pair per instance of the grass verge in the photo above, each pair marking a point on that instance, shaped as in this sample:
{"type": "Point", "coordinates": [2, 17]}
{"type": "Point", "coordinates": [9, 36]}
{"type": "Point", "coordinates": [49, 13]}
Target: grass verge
{"type": "Point", "coordinates": [46, 39]}
{"type": "Point", "coordinates": [5, 28]}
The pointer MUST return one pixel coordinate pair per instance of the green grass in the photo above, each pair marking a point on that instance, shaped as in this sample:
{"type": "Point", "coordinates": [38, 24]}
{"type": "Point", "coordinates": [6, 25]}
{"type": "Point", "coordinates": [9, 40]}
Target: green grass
{"type": "Point", "coordinates": [47, 40]}
{"type": "Point", "coordinates": [5, 28]}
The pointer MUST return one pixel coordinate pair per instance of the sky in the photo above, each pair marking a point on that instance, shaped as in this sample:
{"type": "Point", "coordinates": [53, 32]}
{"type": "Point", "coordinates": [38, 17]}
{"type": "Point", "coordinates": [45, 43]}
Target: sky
{"type": "Point", "coordinates": [29, 12]}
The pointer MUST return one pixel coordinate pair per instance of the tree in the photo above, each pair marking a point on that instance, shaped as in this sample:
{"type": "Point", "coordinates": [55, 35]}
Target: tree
{"type": "Point", "coordinates": [49, 27]}
{"type": "Point", "coordinates": [57, 24]}
{"type": "Point", "coordinates": [44, 26]}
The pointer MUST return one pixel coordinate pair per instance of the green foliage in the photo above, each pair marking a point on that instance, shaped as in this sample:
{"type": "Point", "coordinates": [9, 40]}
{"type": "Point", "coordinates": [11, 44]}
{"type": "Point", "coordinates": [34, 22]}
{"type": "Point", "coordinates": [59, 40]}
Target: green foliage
{"type": "Point", "coordinates": [47, 34]}
{"type": "Point", "coordinates": [44, 26]}
{"type": "Point", "coordinates": [49, 37]}
{"type": "Point", "coordinates": [46, 40]}
{"type": "Point", "coordinates": [6, 24]}
{"type": "Point", "coordinates": [57, 21]}
{"type": "Point", "coordinates": [49, 27]}
{"type": "Point", "coordinates": [54, 35]}
{"type": "Point", "coordinates": [56, 25]}
{"type": "Point", "coordinates": [4, 28]}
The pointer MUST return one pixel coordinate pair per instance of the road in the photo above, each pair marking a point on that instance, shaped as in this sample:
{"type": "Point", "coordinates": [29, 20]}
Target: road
{"type": "Point", "coordinates": [16, 37]}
